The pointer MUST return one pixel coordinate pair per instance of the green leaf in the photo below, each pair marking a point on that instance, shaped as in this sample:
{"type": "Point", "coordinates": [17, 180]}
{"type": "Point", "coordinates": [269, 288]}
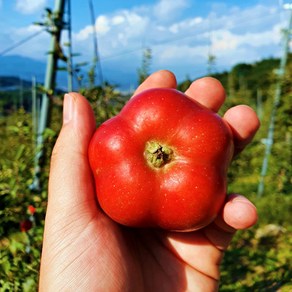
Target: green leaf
{"type": "Point", "coordinates": [29, 285]}
{"type": "Point", "coordinates": [5, 264]}
{"type": "Point", "coordinates": [49, 133]}
{"type": "Point", "coordinates": [62, 68]}
{"type": "Point", "coordinates": [19, 152]}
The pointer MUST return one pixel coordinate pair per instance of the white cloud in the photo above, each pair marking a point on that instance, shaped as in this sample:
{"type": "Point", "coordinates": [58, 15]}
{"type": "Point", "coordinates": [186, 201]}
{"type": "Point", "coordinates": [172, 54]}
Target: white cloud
{"type": "Point", "coordinates": [126, 21]}
{"type": "Point", "coordinates": [225, 40]}
{"type": "Point", "coordinates": [180, 53]}
{"type": "Point", "coordinates": [36, 47]}
{"type": "Point", "coordinates": [83, 34]}
{"type": "Point", "coordinates": [119, 19]}
{"type": "Point", "coordinates": [29, 6]}
{"type": "Point", "coordinates": [235, 35]}
{"type": "Point", "coordinates": [28, 30]}
{"type": "Point", "coordinates": [185, 24]}
{"type": "Point", "coordinates": [168, 9]}
{"type": "Point", "coordinates": [115, 31]}
{"type": "Point", "coordinates": [102, 26]}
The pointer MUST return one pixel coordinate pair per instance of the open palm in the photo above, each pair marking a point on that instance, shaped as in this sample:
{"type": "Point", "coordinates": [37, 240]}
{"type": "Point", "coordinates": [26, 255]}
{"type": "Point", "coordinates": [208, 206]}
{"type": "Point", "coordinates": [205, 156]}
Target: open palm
{"type": "Point", "coordinates": [84, 250]}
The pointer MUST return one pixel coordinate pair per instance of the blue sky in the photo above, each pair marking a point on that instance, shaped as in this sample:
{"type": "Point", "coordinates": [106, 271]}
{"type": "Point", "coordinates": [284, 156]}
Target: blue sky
{"type": "Point", "coordinates": [180, 33]}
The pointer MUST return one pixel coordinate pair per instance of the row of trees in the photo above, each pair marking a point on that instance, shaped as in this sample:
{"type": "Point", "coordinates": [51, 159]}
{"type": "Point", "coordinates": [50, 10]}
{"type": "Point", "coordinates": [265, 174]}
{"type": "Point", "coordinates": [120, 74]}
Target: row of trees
{"type": "Point", "coordinates": [22, 212]}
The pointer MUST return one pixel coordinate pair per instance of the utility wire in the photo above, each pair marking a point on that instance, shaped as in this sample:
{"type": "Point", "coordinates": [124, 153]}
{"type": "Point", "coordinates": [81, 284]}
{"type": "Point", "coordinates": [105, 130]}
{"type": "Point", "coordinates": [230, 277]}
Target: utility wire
{"type": "Point", "coordinates": [21, 42]}
{"type": "Point", "coordinates": [201, 34]}
{"type": "Point", "coordinates": [96, 53]}
{"type": "Point", "coordinates": [97, 57]}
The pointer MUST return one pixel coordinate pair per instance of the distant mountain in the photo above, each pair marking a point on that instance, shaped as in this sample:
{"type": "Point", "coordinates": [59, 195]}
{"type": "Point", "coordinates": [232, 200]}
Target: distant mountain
{"type": "Point", "coordinates": [12, 83]}
{"type": "Point", "coordinates": [26, 68]}
{"type": "Point", "coordinates": [22, 67]}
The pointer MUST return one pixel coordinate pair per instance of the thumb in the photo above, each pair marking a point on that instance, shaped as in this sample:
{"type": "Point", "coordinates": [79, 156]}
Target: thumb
{"type": "Point", "coordinates": [71, 201]}
{"type": "Point", "coordinates": [70, 182]}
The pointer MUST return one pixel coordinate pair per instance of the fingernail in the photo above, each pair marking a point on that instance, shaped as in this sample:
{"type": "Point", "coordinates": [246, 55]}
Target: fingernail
{"type": "Point", "coordinates": [235, 198]}
{"type": "Point", "coordinates": [68, 108]}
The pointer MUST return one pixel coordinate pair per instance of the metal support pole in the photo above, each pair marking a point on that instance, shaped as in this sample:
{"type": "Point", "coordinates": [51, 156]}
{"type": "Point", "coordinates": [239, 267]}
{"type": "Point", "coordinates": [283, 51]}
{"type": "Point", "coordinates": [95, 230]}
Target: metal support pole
{"type": "Point", "coordinates": [20, 93]}
{"type": "Point", "coordinates": [34, 112]}
{"type": "Point", "coordinates": [49, 86]}
{"type": "Point", "coordinates": [259, 104]}
{"type": "Point", "coordinates": [270, 139]}
{"type": "Point", "coordinates": [69, 59]}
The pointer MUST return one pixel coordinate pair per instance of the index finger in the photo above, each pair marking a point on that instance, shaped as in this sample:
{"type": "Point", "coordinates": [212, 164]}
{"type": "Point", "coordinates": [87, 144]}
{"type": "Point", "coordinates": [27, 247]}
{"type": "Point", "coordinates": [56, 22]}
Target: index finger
{"type": "Point", "coordinates": [159, 79]}
{"type": "Point", "coordinates": [244, 124]}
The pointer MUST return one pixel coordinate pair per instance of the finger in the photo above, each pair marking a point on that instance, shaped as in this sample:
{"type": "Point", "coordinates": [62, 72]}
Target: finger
{"type": "Point", "coordinates": [238, 213]}
{"type": "Point", "coordinates": [197, 248]}
{"type": "Point", "coordinates": [70, 183]}
{"type": "Point", "coordinates": [159, 79]}
{"type": "Point", "coordinates": [207, 91]}
{"type": "Point", "coordinates": [244, 124]}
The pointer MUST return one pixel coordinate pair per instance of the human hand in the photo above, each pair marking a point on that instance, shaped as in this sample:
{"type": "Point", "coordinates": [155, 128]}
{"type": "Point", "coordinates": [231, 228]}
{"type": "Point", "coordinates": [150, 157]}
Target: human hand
{"type": "Point", "coordinates": [84, 250]}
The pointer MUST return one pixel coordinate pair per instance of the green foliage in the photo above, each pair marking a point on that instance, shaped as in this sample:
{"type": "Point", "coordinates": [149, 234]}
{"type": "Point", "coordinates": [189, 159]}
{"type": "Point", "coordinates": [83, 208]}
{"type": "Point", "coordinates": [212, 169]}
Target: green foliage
{"type": "Point", "coordinates": [143, 71]}
{"type": "Point", "coordinates": [258, 260]}
{"type": "Point", "coordinates": [12, 100]}
{"type": "Point", "coordinates": [19, 262]}
{"type": "Point", "coordinates": [20, 251]}
{"type": "Point", "coordinates": [254, 262]}
{"type": "Point", "coordinates": [106, 101]}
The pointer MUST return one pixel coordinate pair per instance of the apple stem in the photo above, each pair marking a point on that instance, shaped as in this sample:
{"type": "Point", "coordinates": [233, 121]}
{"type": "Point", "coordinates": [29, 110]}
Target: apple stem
{"type": "Point", "coordinates": [157, 155]}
